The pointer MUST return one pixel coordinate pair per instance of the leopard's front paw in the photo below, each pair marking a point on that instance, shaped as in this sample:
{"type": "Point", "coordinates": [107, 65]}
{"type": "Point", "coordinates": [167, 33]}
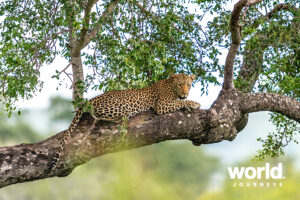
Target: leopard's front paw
{"type": "Point", "coordinates": [192, 105]}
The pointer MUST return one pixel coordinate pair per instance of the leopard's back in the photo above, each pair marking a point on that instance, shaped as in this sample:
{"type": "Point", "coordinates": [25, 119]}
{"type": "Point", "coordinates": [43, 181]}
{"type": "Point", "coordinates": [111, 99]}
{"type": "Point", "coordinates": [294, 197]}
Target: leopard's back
{"type": "Point", "coordinates": [116, 105]}
{"type": "Point", "coordinates": [123, 103]}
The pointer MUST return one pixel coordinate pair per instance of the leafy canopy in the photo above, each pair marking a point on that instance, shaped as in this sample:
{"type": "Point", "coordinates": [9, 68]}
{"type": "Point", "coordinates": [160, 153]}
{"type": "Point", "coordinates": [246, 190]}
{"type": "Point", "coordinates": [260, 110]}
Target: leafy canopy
{"type": "Point", "coordinates": [136, 46]}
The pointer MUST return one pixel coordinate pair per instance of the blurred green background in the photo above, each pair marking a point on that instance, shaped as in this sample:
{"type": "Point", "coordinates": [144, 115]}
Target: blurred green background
{"type": "Point", "coordinates": [172, 170]}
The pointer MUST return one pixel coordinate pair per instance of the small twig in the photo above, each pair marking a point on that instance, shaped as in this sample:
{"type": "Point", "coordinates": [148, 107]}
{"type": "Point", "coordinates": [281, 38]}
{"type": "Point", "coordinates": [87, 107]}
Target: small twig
{"type": "Point", "coordinates": [265, 5]}
{"type": "Point", "coordinates": [64, 70]}
{"type": "Point", "coordinates": [69, 76]}
{"type": "Point", "coordinates": [244, 13]}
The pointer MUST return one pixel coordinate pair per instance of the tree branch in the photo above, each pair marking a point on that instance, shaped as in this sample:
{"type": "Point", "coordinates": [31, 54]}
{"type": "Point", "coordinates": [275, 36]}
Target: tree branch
{"type": "Point", "coordinates": [27, 162]}
{"type": "Point", "coordinates": [235, 30]}
{"type": "Point", "coordinates": [281, 6]}
{"type": "Point", "coordinates": [271, 102]}
{"type": "Point", "coordinates": [77, 45]}
{"type": "Point", "coordinates": [252, 63]}
{"type": "Point", "coordinates": [85, 26]}
{"type": "Point", "coordinates": [92, 34]}
{"type": "Point", "coordinates": [269, 15]}
{"type": "Point", "coordinates": [226, 117]}
{"type": "Point", "coordinates": [253, 57]}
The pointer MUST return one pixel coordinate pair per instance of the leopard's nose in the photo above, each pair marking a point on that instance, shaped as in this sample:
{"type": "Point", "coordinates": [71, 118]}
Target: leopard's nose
{"type": "Point", "coordinates": [185, 91]}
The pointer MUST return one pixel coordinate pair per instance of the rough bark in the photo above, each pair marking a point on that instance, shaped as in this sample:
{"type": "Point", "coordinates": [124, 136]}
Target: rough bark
{"type": "Point", "coordinates": [271, 102]}
{"type": "Point", "coordinates": [251, 68]}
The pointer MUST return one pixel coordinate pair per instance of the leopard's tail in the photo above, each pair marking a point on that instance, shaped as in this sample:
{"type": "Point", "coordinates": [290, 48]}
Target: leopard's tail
{"type": "Point", "coordinates": [65, 138]}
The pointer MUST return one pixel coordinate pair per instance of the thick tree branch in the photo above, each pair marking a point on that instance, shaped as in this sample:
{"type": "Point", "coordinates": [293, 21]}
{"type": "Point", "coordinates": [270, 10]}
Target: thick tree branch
{"type": "Point", "coordinates": [271, 102]}
{"type": "Point", "coordinates": [235, 30]}
{"type": "Point", "coordinates": [27, 162]}
{"type": "Point", "coordinates": [75, 59]}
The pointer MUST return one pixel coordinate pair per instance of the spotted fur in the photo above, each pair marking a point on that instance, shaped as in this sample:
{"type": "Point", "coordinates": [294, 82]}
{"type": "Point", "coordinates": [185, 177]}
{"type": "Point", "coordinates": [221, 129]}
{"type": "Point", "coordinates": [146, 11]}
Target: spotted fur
{"type": "Point", "coordinates": [164, 97]}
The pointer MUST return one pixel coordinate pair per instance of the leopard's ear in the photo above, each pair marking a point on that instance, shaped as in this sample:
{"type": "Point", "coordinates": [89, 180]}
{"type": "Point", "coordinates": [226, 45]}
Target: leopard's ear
{"type": "Point", "coordinates": [192, 77]}
{"type": "Point", "coordinates": [172, 75]}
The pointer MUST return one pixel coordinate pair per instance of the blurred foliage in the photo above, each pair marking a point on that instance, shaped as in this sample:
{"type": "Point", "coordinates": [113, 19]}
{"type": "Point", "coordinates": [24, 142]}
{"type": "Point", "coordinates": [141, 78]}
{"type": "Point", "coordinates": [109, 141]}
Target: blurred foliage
{"type": "Point", "coordinates": [288, 191]}
{"type": "Point", "coordinates": [173, 170]}
{"type": "Point", "coordinates": [60, 109]}
{"type": "Point", "coordinates": [16, 130]}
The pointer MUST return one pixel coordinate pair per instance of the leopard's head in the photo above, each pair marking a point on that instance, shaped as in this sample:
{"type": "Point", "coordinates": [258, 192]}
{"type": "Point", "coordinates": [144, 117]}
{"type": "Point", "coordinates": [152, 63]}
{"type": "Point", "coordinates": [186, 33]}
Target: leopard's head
{"type": "Point", "coordinates": [182, 84]}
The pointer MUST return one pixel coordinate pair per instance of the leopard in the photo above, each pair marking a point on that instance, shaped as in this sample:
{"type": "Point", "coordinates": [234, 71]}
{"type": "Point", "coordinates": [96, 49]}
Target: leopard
{"type": "Point", "coordinates": [163, 97]}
